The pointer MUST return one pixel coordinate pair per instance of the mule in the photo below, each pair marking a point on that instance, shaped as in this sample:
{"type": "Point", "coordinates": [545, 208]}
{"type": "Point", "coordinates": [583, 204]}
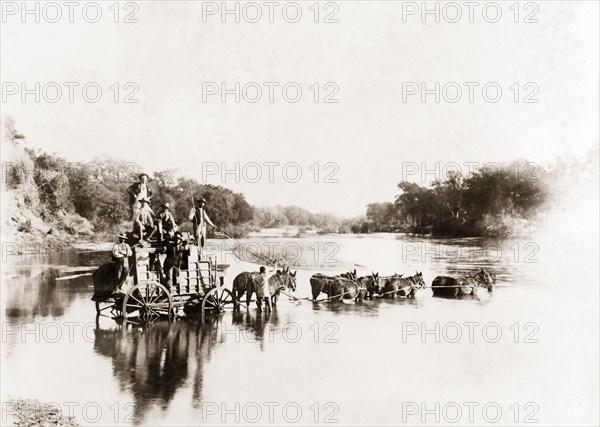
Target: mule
{"type": "Point", "coordinates": [342, 288]}
{"type": "Point", "coordinates": [281, 280]}
{"type": "Point", "coordinates": [371, 284]}
{"type": "Point", "coordinates": [320, 282]}
{"type": "Point", "coordinates": [404, 286]}
{"type": "Point", "coordinates": [375, 283]}
{"type": "Point", "coordinates": [287, 280]}
{"type": "Point", "coordinates": [349, 275]}
{"type": "Point", "coordinates": [465, 285]}
{"type": "Point", "coordinates": [241, 284]}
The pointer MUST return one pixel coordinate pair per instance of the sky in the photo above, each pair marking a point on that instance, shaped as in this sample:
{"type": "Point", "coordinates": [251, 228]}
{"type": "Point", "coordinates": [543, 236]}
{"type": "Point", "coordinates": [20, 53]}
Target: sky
{"type": "Point", "coordinates": [362, 146]}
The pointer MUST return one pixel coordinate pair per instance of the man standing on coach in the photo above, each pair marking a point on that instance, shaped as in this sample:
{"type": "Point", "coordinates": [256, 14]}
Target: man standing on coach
{"type": "Point", "coordinates": [199, 218]}
{"type": "Point", "coordinates": [139, 190]}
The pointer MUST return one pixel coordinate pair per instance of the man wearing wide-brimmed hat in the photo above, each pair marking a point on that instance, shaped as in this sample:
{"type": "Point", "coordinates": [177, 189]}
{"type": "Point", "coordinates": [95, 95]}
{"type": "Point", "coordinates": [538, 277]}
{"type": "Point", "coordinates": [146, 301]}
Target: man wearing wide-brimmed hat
{"type": "Point", "coordinates": [120, 254]}
{"type": "Point", "coordinates": [143, 220]}
{"type": "Point", "coordinates": [199, 218]}
{"type": "Point", "coordinates": [139, 190]}
{"type": "Point", "coordinates": [166, 222]}
{"type": "Point", "coordinates": [175, 250]}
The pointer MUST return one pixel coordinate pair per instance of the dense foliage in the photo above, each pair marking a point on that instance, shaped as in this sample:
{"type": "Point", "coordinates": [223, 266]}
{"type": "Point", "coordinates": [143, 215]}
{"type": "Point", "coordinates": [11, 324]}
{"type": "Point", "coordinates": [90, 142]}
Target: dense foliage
{"type": "Point", "coordinates": [496, 201]}
{"type": "Point", "coordinates": [97, 191]}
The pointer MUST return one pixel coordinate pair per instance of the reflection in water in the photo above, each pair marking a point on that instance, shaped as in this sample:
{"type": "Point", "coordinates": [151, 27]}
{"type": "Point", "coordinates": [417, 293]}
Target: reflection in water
{"type": "Point", "coordinates": [34, 289]}
{"type": "Point", "coordinates": [254, 324]}
{"type": "Point", "coordinates": [168, 369]}
{"type": "Point", "coordinates": [364, 308]}
{"type": "Point", "coordinates": [152, 361]}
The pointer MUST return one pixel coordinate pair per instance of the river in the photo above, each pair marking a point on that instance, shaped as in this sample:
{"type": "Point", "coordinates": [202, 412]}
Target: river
{"type": "Point", "coordinates": [506, 357]}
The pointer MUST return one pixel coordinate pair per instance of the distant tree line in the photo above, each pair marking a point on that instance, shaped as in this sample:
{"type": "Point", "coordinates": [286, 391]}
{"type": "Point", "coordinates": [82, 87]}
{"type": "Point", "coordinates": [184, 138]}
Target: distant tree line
{"type": "Point", "coordinates": [281, 216]}
{"type": "Point", "coordinates": [54, 188]}
{"type": "Point", "coordinates": [493, 201]}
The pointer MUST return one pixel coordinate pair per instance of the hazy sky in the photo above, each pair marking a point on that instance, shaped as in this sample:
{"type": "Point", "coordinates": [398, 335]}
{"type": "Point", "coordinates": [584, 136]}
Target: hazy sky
{"type": "Point", "coordinates": [368, 54]}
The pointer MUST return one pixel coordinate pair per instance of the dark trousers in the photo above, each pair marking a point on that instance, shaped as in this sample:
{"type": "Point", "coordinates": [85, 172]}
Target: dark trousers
{"type": "Point", "coordinates": [121, 271]}
{"type": "Point", "coordinates": [171, 273]}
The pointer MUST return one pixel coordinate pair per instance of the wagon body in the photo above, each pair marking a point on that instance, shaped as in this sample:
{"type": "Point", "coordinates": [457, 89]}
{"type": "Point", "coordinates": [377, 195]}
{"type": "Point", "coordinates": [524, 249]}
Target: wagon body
{"type": "Point", "coordinates": [148, 294]}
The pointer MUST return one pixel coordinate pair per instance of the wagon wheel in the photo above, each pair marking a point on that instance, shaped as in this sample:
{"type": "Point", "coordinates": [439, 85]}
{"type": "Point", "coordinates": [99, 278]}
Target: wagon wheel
{"type": "Point", "coordinates": [217, 299]}
{"type": "Point", "coordinates": [147, 301]}
{"type": "Point", "coordinates": [102, 306]}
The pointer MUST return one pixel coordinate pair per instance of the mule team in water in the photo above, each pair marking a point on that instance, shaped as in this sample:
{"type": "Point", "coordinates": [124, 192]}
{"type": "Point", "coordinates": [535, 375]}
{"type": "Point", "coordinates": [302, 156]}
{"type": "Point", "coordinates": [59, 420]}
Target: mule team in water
{"type": "Point", "coordinates": [348, 286]}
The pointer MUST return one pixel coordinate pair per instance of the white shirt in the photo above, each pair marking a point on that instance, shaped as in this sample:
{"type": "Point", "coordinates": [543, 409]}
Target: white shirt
{"type": "Point", "coordinates": [143, 191]}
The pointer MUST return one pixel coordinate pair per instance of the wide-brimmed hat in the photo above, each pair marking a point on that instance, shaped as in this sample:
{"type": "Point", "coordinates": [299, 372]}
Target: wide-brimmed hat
{"type": "Point", "coordinates": [122, 236]}
{"type": "Point", "coordinates": [201, 199]}
{"type": "Point", "coordinates": [143, 174]}
{"type": "Point", "coordinates": [166, 205]}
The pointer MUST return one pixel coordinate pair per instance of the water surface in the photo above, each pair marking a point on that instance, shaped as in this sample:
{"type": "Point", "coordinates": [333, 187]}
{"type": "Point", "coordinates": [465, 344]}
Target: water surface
{"type": "Point", "coordinates": [365, 363]}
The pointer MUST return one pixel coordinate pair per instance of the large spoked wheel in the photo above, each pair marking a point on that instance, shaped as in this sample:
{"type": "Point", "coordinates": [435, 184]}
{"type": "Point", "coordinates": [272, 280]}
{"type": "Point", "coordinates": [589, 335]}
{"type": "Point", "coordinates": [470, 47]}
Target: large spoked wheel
{"type": "Point", "coordinates": [217, 300]}
{"type": "Point", "coordinates": [147, 301]}
{"type": "Point", "coordinates": [109, 305]}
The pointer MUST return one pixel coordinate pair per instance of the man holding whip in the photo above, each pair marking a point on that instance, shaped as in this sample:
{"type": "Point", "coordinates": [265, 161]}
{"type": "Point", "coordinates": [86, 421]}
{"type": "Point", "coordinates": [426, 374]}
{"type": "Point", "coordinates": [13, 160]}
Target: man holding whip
{"type": "Point", "coordinates": [199, 218]}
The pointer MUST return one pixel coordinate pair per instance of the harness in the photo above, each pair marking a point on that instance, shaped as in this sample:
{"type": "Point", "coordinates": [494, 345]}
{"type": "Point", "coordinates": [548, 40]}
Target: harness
{"type": "Point", "coordinates": [359, 287]}
{"type": "Point", "coordinates": [411, 279]}
{"type": "Point", "coordinates": [280, 285]}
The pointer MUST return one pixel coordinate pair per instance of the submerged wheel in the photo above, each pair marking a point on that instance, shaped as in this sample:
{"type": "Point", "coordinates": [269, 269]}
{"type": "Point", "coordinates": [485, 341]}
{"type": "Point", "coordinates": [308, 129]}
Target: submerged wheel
{"type": "Point", "coordinates": [217, 300]}
{"type": "Point", "coordinates": [147, 301]}
{"type": "Point", "coordinates": [111, 305]}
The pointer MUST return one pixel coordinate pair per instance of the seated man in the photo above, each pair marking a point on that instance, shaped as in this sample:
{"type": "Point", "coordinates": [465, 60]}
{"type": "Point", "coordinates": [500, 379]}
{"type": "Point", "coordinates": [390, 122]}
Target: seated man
{"type": "Point", "coordinates": [110, 276]}
{"type": "Point", "coordinates": [120, 256]}
{"type": "Point", "coordinates": [143, 221]}
{"type": "Point", "coordinates": [166, 222]}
